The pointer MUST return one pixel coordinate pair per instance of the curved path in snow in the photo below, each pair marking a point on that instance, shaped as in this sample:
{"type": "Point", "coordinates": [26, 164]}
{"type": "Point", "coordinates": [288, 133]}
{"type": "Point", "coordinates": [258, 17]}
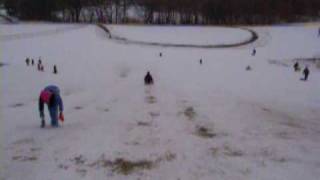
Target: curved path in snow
{"type": "Point", "coordinates": [253, 38]}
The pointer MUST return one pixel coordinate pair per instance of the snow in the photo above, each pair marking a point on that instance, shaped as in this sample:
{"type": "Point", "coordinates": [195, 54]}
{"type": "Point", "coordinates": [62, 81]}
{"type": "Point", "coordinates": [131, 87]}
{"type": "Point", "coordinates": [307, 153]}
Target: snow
{"type": "Point", "coordinates": [266, 122]}
{"type": "Point", "coordinates": [2, 20]}
{"type": "Point", "coordinates": [181, 35]}
{"type": "Point", "coordinates": [30, 30]}
{"type": "Point", "coordinates": [7, 29]}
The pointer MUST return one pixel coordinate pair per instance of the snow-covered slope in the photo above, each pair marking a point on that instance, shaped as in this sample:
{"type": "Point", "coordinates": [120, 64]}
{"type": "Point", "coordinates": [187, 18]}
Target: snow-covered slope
{"type": "Point", "coordinates": [181, 35]}
{"type": "Point", "coordinates": [209, 121]}
{"type": "Point", "coordinates": [31, 30]}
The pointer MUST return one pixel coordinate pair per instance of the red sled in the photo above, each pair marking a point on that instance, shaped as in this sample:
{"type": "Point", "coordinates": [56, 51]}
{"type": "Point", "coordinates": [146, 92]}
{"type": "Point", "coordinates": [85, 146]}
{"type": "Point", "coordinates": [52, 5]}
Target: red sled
{"type": "Point", "coordinates": [61, 117]}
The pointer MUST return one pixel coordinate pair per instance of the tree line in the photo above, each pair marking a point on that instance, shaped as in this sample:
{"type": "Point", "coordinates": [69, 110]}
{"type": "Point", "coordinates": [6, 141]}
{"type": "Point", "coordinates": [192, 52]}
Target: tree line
{"type": "Point", "coordinates": [166, 11]}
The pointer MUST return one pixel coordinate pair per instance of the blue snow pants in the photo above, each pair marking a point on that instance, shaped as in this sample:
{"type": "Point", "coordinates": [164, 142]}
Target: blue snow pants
{"type": "Point", "coordinates": [53, 111]}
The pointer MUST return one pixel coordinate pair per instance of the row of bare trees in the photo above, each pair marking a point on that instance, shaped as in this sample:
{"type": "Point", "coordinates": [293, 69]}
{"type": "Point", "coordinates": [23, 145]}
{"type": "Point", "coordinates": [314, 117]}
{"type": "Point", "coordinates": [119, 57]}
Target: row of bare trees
{"type": "Point", "coordinates": [228, 11]}
{"type": "Point", "coordinates": [106, 11]}
{"type": "Point", "coordinates": [113, 11]}
{"type": "Point", "coordinates": [166, 11]}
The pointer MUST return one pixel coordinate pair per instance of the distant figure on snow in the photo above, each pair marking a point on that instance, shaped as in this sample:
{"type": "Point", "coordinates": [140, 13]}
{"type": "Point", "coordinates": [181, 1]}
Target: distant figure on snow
{"type": "Point", "coordinates": [39, 61]}
{"type": "Point", "coordinates": [27, 61]}
{"type": "Point", "coordinates": [200, 61]}
{"type": "Point", "coordinates": [296, 67]}
{"type": "Point", "coordinates": [51, 96]}
{"type": "Point", "coordinates": [254, 51]}
{"type": "Point", "coordinates": [55, 70]}
{"type": "Point", "coordinates": [160, 54]}
{"type": "Point", "coordinates": [248, 68]}
{"type": "Point", "coordinates": [148, 80]}
{"type": "Point", "coordinates": [32, 62]}
{"type": "Point", "coordinates": [306, 73]}
{"type": "Point", "coordinates": [39, 67]}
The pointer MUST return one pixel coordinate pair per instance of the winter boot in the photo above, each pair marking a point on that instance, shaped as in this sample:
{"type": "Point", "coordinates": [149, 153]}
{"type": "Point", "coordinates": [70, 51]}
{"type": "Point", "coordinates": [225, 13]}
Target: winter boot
{"type": "Point", "coordinates": [43, 123]}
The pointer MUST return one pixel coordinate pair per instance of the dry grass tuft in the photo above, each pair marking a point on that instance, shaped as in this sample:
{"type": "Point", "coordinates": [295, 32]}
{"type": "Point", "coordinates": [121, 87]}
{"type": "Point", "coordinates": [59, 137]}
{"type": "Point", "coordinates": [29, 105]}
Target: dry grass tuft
{"type": "Point", "coordinates": [205, 132]}
{"type": "Point", "coordinates": [126, 167]}
{"type": "Point", "coordinates": [190, 113]}
{"type": "Point", "coordinates": [140, 123]}
{"type": "Point", "coordinates": [151, 99]}
{"type": "Point", "coordinates": [24, 158]}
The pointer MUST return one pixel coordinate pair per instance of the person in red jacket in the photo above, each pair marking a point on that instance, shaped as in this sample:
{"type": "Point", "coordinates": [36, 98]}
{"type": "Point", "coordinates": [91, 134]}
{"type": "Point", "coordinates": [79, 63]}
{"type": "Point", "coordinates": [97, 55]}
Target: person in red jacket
{"type": "Point", "coordinates": [51, 96]}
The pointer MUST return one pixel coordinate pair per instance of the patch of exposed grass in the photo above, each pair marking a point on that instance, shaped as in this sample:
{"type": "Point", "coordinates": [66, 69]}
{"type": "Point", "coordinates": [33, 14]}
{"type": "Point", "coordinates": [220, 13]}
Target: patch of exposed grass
{"type": "Point", "coordinates": [24, 158]}
{"type": "Point", "coordinates": [24, 141]}
{"type": "Point", "coordinates": [266, 109]}
{"type": "Point", "coordinates": [227, 151]}
{"type": "Point", "coordinates": [169, 156]}
{"type": "Point", "coordinates": [133, 143]}
{"type": "Point", "coordinates": [125, 167]}
{"type": "Point", "coordinates": [62, 166]}
{"type": "Point", "coordinates": [232, 152]}
{"type": "Point", "coordinates": [291, 124]}
{"type": "Point", "coordinates": [205, 132]}
{"type": "Point", "coordinates": [79, 160]}
{"type": "Point", "coordinates": [246, 171]}
{"type": "Point", "coordinates": [214, 151]}
{"type": "Point", "coordinates": [81, 172]}
{"type": "Point", "coordinates": [122, 166]}
{"type": "Point", "coordinates": [78, 107]}
{"type": "Point", "coordinates": [143, 123]}
{"type": "Point", "coordinates": [190, 113]}
{"type": "Point", "coordinates": [279, 159]}
{"type": "Point", "coordinates": [35, 149]}
{"type": "Point", "coordinates": [154, 114]}
{"type": "Point", "coordinates": [283, 135]}
{"type": "Point", "coordinates": [151, 99]}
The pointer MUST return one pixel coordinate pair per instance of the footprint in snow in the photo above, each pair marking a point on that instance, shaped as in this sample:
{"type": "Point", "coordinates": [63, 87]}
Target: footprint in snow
{"type": "Point", "coordinates": [16, 105]}
{"type": "Point", "coordinates": [78, 107]}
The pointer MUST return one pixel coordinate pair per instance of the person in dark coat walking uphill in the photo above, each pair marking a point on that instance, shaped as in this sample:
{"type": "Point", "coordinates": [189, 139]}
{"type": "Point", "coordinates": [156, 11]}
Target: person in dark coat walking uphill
{"type": "Point", "coordinates": [27, 61]}
{"type": "Point", "coordinates": [148, 80]}
{"type": "Point", "coordinates": [306, 73]}
{"type": "Point", "coordinates": [296, 67]}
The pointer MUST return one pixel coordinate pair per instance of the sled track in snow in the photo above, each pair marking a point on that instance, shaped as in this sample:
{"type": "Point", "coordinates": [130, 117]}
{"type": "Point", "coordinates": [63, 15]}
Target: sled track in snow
{"type": "Point", "coordinates": [253, 38]}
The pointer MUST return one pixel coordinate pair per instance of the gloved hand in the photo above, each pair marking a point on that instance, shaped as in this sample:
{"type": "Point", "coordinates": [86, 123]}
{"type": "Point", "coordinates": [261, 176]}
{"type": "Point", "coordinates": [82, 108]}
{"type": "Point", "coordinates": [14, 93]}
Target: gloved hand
{"type": "Point", "coordinates": [61, 117]}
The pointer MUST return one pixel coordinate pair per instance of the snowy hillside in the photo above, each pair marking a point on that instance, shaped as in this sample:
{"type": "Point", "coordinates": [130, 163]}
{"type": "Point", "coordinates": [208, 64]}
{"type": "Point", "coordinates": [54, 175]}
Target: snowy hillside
{"type": "Point", "coordinates": [198, 122]}
{"type": "Point", "coordinates": [180, 34]}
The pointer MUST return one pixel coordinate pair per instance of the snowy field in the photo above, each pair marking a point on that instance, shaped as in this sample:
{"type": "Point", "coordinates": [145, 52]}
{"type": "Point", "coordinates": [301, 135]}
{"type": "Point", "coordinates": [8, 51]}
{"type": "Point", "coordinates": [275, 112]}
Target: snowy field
{"type": "Point", "coordinates": [31, 30]}
{"type": "Point", "coordinates": [198, 122]}
{"type": "Point", "coordinates": [181, 35]}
